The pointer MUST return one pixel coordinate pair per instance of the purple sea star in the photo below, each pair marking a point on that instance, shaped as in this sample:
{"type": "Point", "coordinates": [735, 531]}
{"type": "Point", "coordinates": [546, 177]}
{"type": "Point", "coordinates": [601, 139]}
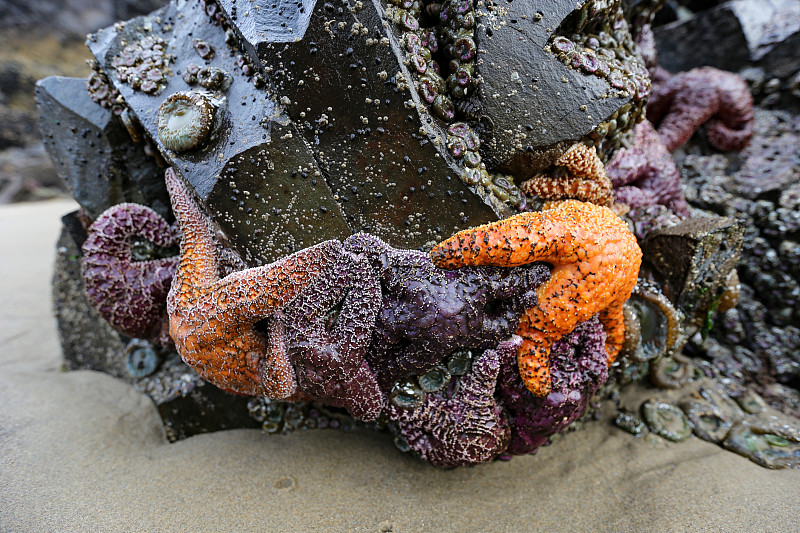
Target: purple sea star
{"type": "Point", "coordinates": [721, 100]}
{"type": "Point", "coordinates": [462, 425]}
{"type": "Point", "coordinates": [578, 368]}
{"type": "Point", "coordinates": [428, 312]}
{"type": "Point", "coordinates": [645, 174]}
{"type": "Point", "coordinates": [126, 281]}
{"type": "Point", "coordinates": [328, 352]}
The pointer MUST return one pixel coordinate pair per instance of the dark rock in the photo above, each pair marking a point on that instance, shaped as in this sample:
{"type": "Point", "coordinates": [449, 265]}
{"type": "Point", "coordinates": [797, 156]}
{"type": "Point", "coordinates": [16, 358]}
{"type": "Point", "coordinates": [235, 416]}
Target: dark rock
{"type": "Point", "coordinates": [733, 36]}
{"type": "Point", "coordinates": [517, 69]}
{"type": "Point", "coordinates": [237, 187]}
{"type": "Point", "coordinates": [771, 163]}
{"type": "Point", "coordinates": [694, 259]}
{"type": "Point", "coordinates": [93, 152]}
{"type": "Point", "coordinates": [347, 90]}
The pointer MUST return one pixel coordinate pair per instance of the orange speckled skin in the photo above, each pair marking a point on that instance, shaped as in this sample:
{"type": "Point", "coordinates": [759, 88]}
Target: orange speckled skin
{"type": "Point", "coordinates": [211, 319]}
{"type": "Point", "coordinates": [586, 179]}
{"type": "Point", "coordinates": [595, 262]}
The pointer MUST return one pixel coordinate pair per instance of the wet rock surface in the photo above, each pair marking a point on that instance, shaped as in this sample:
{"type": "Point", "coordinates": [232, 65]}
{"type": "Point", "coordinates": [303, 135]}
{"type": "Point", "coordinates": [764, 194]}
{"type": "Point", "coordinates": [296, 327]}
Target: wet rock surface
{"type": "Point", "coordinates": [93, 152]}
{"type": "Point", "coordinates": [756, 39]}
{"type": "Point", "coordinates": [379, 150]}
{"type": "Point", "coordinates": [519, 66]}
{"type": "Point", "coordinates": [695, 258]}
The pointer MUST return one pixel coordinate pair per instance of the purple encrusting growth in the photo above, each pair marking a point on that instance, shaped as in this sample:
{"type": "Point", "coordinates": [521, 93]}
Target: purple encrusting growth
{"type": "Point", "coordinates": [578, 368]}
{"type": "Point", "coordinates": [463, 424]}
{"type": "Point", "coordinates": [645, 174]}
{"type": "Point", "coordinates": [428, 312]}
{"type": "Point", "coordinates": [328, 351]}
{"type": "Point", "coordinates": [130, 294]}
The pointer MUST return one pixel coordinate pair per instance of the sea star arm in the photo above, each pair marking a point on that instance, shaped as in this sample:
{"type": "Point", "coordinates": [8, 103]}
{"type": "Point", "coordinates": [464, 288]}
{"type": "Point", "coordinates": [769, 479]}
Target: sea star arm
{"type": "Point", "coordinates": [129, 294]}
{"type": "Point", "coordinates": [466, 428]}
{"type": "Point", "coordinates": [585, 178]}
{"type": "Point", "coordinates": [595, 266]}
{"type": "Point", "coordinates": [212, 321]}
{"type": "Point", "coordinates": [330, 359]}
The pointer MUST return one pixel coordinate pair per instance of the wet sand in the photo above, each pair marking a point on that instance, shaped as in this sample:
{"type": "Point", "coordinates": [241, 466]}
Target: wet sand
{"type": "Point", "coordinates": [81, 451]}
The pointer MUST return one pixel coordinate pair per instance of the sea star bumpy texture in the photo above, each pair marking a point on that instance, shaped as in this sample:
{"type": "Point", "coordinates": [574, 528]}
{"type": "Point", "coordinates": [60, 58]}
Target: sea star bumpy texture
{"type": "Point", "coordinates": [212, 320]}
{"type": "Point", "coordinates": [329, 358]}
{"type": "Point", "coordinates": [427, 313]}
{"type": "Point", "coordinates": [585, 178]}
{"type": "Point", "coordinates": [596, 262]}
{"type": "Point", "coordinates": [578, 368]}
{"type": "Point", "coordinates": [706, 95]}
{"type": "Point", "coordinates": [645, 174]}
{"type": "Point", "coordinates": [645, 220]}
{"type": "Point", "coordinates": [462, 424]}
{"type": "Point", "coordinates": [130, 294]}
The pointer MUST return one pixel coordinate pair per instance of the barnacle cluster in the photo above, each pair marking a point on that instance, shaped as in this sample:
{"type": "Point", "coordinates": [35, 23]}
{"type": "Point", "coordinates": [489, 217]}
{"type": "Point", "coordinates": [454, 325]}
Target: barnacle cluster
{"type": "Point", "coordinates": [142, 64]}
{"type": "Point", "coordinates": [595, 39]}
{"type": "Point", "coordinates": [102, 92]}
{"type": "Point", "coordinates": [444, 32]}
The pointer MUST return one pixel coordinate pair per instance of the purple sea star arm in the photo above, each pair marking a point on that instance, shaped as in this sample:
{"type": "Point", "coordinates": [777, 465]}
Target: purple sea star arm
{"type": "Point", "coordinates": [213, 321]}
{"type": "Point", "coordinates": [578, 368]}
{"type": "Point", "coordinates": [130, 295]}
{"type": "Point", "coordinates": [645, 174]}
{"type": "Point", "coordinates": [464, 425]}
{"type": "Point", "coordinates": [682, 103]}
{"type": "Point", "coordinates": [329, 358]}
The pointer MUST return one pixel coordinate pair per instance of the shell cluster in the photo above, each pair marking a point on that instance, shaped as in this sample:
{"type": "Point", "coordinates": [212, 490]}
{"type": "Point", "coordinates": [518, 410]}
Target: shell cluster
{"type": "Point", "coordinates": [433, 32]}
{"type": "Point", "coordinates": [143, 64]}
{"type": "Point", "coordinates": [102, 92]}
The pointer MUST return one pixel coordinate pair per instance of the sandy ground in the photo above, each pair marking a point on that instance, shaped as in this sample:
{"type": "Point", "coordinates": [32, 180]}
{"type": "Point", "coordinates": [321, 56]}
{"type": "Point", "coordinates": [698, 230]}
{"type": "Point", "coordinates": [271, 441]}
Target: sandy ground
{"type": "Point", "coordinates": [80, 451]}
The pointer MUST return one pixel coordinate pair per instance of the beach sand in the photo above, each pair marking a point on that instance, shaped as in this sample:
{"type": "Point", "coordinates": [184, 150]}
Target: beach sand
{"type": "Point", "coordinates": [81, 451]}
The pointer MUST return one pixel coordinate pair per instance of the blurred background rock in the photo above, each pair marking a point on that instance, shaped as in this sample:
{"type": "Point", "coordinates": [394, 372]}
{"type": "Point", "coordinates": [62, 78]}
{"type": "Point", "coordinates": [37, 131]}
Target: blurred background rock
{"type": "Point", "coordinates": [41, 38]}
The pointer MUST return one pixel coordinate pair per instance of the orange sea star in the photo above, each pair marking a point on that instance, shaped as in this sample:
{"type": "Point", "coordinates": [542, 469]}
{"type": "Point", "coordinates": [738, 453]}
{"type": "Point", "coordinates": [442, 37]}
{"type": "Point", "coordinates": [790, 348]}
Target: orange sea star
{"type": "Point", "coordinates": [595, 262]}
{"type": "Point", "coordinates": [585, 178]}
{"type": "Point", "coordinates": [212, 320]}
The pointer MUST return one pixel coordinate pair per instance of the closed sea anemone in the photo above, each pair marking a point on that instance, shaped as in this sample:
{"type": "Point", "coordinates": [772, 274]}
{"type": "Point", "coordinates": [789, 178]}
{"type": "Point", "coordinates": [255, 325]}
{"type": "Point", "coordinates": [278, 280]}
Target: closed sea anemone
{"type": "Point", "coordinates": [185, 120]}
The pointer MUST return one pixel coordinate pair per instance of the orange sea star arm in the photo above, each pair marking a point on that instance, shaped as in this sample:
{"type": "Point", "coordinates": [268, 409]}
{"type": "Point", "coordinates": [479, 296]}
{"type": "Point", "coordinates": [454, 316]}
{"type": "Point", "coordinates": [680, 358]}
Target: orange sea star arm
{"type": "Point", "coordinates": [595, 262]}
{"type": "Point", "coordinates": [212, 320]}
